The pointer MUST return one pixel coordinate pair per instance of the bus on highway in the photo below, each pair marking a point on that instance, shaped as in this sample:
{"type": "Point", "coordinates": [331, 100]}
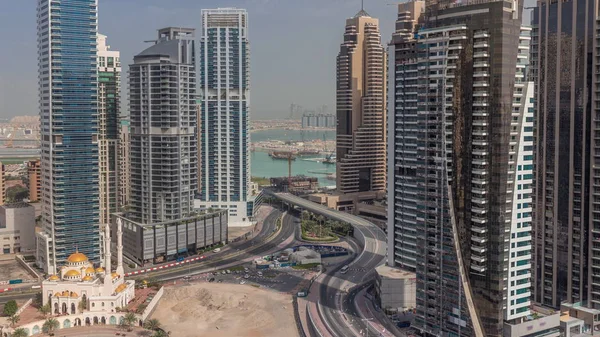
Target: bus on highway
{"type": "Point", "coordinates": [344, 269]}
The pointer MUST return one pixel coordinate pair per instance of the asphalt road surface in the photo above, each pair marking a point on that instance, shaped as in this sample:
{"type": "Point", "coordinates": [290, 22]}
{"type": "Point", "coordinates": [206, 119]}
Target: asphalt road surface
{"type": "Point", "coordinates": [335, 309]}
{"type": "Point", "coordinates": [238, 251]}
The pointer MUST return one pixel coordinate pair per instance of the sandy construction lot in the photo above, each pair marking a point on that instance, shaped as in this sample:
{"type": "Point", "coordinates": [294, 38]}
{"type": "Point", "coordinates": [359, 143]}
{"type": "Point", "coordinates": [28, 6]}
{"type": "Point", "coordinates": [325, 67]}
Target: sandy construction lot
{"type": "Point", "coordinates": [225, 310]}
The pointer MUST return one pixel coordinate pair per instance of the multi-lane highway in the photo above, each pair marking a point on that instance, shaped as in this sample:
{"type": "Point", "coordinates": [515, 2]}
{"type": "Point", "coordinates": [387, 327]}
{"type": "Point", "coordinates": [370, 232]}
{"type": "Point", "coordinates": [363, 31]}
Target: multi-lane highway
{"type": "Point", "coordinates": [265, 241]}
{"type": "Point", "coordinates": [337, 313]}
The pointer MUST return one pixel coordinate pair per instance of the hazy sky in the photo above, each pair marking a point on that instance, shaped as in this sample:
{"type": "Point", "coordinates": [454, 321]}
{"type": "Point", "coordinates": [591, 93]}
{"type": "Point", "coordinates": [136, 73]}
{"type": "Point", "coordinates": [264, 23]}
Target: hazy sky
{"type": "Point", "coordinates": [293, 45]}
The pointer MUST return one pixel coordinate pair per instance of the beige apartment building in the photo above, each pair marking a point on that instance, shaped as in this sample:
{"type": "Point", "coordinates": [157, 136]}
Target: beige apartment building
{"type": "Point", "coordinates": [361, 107]}
{"type": "Point", "coordinates": [33, 171]}
{"type": "Point", "coordinates": [2, 184]}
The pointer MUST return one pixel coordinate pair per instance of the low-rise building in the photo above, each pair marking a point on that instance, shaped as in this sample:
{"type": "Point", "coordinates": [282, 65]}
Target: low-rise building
{"type": "Point", "coordinates": [304, 255]}
{"type": "Point", "coordinates": [579, 315]}
{"type": "Point", "coordinates": [17, 228]}
{"type": "Point", "coordinates": [395, 289]}
{"type": "Point", "coordinates": [165, 241]}
{"type": "Point", "coordinates": [542, 322]}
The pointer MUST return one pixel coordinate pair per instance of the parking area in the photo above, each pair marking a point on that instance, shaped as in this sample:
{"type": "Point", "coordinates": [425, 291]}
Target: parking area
{"type": "Point", "coordinates": [287, 280]}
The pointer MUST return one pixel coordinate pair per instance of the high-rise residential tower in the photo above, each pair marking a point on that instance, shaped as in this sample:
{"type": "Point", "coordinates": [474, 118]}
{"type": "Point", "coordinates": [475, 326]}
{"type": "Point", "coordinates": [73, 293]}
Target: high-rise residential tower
{"type": "Point", "coordinates": [109, 94]}
{"type": "Point", "coordinates": [224, 81]}
{"type": "Point", "coordinates": [68, 96]}
{"type": "Point", "coordinates": [361, 107]}
{"type": "Point", "coordinates": [124, 163]}
{"type": "Point", "coordinates": [162, 100]}
{"type": "Point", "coordinates": [566, 215]}
{"type": "Point", "coordinates": [460, 163]}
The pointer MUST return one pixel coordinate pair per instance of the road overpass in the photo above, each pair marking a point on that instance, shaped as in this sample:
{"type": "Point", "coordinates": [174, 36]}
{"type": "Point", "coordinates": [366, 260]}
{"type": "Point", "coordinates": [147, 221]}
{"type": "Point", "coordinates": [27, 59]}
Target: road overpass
{"type": "Point", "coordinates": [333, 307]}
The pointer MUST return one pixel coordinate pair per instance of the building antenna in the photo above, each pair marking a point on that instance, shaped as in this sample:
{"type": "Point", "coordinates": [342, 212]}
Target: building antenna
{"type": "Point", "coordinates": [362, 5]}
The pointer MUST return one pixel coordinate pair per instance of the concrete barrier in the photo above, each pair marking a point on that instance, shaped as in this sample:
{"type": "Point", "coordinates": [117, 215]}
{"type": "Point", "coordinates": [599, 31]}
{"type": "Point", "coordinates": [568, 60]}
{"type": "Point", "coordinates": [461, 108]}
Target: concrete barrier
{"type": "Point", "coordinates": [24, 306]}
{"type": "Point", "coordinates": [153, 304]}
{"type": "Point", "coordinates": [29, 269]}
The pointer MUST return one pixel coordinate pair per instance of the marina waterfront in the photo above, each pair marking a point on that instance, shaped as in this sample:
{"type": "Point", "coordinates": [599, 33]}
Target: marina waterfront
{"type": "Point", "coordinates": [265, 166]}
{"type": "Point", "coordinates": [262, 165]}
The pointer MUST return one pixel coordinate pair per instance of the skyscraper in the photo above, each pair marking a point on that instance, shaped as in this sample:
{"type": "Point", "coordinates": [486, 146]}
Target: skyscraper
{"type": "Point", "coordinates": [224, 112]}
{"type": "Point", "coordinates": [109, 100]}
{"type": "Point", "coordinates": [68, 96]}
{"type": "Point", "coordinates": [566, 215]}
{"type": "Point", "coordinates": [163, 157]}
{"type": "Point", "coordinates": [460, 163]}
{"type": "Point", "coordinates": [361, 104]}
{"type": "Point", "coordinates": [124, 163]}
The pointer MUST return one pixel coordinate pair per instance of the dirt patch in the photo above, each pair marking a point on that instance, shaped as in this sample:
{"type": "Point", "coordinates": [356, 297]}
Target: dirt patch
{"type": "Point", "coordinates": [225, 310]}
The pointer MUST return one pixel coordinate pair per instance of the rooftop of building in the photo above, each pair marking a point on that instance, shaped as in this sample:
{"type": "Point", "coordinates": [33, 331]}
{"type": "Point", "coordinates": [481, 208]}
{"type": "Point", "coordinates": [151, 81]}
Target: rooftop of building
{"type": "Point", "coordinates": [395, 273]}
{"type": "Point", "coordinates": [17, 205]}
{"type": "Point", "coordinates": [579, 306]}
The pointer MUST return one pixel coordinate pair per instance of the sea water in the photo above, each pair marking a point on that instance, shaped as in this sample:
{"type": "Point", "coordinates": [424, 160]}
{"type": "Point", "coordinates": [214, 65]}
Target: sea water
{"type": "Point", "coordinates": [265, 166]}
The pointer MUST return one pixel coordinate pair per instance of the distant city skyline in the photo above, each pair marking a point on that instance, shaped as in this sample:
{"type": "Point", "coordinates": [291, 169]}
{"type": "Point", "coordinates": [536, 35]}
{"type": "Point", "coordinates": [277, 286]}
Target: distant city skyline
{"type": "Point", "coordinates": [281, 31]}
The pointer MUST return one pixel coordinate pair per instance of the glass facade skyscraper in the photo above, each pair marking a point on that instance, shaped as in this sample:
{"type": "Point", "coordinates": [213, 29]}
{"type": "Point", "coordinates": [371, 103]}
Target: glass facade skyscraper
{"type": "Point", "coordinates": [109, 100]}
{"type": "Point", "coordinates": [566, 194]}
{"type": "Point", "coordinates": [460, 164]}
{"type": "Point", "coordinates": [224, 82]}
{"type": "Point", "coordinates": [68, 96]}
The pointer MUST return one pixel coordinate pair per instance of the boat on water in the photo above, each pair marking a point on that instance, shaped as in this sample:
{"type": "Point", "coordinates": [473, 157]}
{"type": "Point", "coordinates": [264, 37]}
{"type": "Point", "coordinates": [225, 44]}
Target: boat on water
{"type": "Point", "coordinates": [282, 155]}
{"type": "Point", "coordinates": [329, 160]}
{"type": "Point", "coordinates": [308, 152]}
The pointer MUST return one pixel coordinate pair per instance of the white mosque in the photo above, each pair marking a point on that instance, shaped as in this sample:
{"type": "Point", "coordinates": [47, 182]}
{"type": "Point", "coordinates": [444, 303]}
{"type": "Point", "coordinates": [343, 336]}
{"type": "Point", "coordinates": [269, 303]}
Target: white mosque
{"type": "Point", "coordinates": [80, 288]}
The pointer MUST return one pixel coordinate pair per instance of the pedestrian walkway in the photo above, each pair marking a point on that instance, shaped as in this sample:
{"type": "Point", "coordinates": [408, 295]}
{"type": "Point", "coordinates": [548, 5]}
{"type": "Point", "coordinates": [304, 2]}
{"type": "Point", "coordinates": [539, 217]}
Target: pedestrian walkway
{"type": "Point", "coordinates": [98, 331]}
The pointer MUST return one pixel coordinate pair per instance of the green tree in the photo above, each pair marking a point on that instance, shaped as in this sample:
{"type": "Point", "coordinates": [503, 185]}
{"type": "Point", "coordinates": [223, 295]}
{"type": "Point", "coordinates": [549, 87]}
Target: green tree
{"type": "Point", "coordinates": [14, 319]}
{"type": "Point", "coordinates": [10, 308]}
{"type": "Point", "coordinates": [50, 325]}
{"type": "Point", "coordinates": [129, 319]}
{"type": "Point", "coordinates": [38, 299]}
{"type": "Point", "coordinates": [45, 309]}
{"type": "Point", "coordinates": [19, 332]}
{"type": "Point", "coordinates": [17, 193]}
{"type": "Point", "coordinates": [161, 333]}
{"type": "Point", "coordinates": [152, 324]}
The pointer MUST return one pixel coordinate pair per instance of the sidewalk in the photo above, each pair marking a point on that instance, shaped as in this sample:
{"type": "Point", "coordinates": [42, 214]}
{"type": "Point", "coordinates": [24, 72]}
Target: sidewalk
{"type": "Point", "coordinates": [367, 311]}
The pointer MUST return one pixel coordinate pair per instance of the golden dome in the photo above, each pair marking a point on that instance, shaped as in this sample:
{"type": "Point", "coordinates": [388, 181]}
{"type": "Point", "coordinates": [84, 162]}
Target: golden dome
{"type": "Point", "coordinates": [87, 278]}
{"type": "Point", "coordinates": [99, 270]}
{"type": "Point", "coordinates": [114, 275]}
{"type": "Point", "coordinates": [77, 257]}
{"type": "Point", "coordinates": [74, 295]}
{"type": "Point", "coordinates": [72, 273]}
{"type": "Point", "coordinates": [65, 293]}
{"type": "Point", "coordinates": [90, 270]}
{"type": "Point", "coordinates": [53, 278]}
{"type": "Point", "coordinates": [57, 294]}
{"type": "Point", "coordinates": [121, 288]}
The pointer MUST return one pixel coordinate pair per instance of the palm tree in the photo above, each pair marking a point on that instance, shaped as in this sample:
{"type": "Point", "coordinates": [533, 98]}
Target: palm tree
{"type": "Point", "coordinates": [50, 325]}
{"type": "Point", "coordinates": [129, 319]}
{"type": "Point", "coordinates": [161, 333]}
{"type": "Point", "coordinates": [14, 319]}
{"type": "Point", "coordinates": [45, 309]}
{"type": "Point", "coordinates": [19, 332]}
{"type": "Point", "coordinates": [152, 324]}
